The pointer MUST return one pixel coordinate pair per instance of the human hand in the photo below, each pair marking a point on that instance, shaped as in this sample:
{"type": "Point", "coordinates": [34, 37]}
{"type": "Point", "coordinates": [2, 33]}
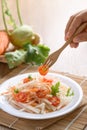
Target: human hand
{"type": "Point", "coordinates": [74, 22]}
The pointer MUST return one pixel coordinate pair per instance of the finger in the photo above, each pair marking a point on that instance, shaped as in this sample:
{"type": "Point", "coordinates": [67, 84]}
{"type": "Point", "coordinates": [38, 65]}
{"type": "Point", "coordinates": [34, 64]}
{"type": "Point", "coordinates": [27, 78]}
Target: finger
{"type": "Point", "coordinates": [74, 25]}
{"type": "Point", "coordinates": [82, 37]}
{"type": "Point", "coordinates": [74, 45]}
{"type": "Point", "coordinates": [77, 21]}
{"type": "Point", "coordinates": [69, 24]}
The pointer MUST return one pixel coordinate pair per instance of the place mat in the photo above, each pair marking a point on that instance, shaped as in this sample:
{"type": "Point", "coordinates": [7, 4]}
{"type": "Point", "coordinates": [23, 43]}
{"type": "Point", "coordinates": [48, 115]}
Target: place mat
{"type": "Point", "coordinates": [25, 124]}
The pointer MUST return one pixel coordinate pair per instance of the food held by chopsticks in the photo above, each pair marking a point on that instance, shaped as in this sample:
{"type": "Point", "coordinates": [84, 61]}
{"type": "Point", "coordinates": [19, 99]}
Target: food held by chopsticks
{"type": "Point", "coordinates": [25, 42]}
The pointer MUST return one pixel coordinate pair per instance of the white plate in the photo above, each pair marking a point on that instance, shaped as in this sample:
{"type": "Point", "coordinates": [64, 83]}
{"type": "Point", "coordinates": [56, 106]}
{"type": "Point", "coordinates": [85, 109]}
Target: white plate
{"type": "Point", "coordinates": [78, 94]}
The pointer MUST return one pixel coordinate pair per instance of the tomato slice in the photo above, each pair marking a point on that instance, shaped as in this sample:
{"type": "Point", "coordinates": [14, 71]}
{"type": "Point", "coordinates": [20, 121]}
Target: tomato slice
{"type": "Point", "coordinates": [43, 70]}
{"type": "Point", "coordinates": [54, 100]}
{"type": "Point", "coordinates": [26, 80]}
{"type": "Point", "coordinates": [21, 97]}
{"type": "Point", "coordinates": [41, 93]}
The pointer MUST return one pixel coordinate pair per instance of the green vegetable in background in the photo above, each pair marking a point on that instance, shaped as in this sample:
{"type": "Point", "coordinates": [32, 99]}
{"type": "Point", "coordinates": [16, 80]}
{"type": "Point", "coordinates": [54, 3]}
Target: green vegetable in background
{"type": "Point", "coordinates": [36, 54]}
{"type": "Point", "coordinates": [20, 35]}
{"type": "Point", "coordinates": [25, 40]}
{"type": "Point", "coordinates": [30, 54]}
{"type": "Point", "coordinates": [15, 58]}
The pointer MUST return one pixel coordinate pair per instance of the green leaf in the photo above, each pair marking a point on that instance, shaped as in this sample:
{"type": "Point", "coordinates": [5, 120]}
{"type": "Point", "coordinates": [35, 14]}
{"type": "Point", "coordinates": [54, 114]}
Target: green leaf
{"type": "Point", "coordinates": [15, 58]}
{"type": "Point", "coordinates": [36, 54]}
{"type": "Point", "coordinates": [16, 90]}
{"type": "Point", "coordinates": [30, 77]}
{"type": "Point", "coordinates": [38, 59]}
{"type": "Point", "coordinates": [69, 92]}
{"type": "Point", "coordinates": [44, 50]}
{"type": "Point", "coordinates": [55, 89]}
{"type": "Point", "coordinates": [29, 54]}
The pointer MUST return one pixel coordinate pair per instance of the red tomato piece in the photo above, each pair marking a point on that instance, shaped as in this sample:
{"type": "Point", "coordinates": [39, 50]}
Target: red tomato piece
{"type": "Point", "coordinates": [26, 80]}
{"type": "Point", "coordinates": [41, 93]}
{"type": "Point", "coordinates": [54, 100]}
{"type": "Point", "coordinates": [21, 97]}
{"type": "Point", "coordinates": [43, 70]}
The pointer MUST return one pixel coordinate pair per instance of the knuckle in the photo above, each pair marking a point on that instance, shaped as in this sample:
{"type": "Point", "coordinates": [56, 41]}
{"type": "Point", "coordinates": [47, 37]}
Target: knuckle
{"type": "Point", "coordinates": [71, 17]}
{"type": "Point", "coordinates": [78, 18]}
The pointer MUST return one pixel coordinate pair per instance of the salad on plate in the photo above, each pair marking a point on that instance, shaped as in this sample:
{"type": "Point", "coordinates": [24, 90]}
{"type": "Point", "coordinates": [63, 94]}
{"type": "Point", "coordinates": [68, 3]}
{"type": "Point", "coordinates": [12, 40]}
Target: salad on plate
{"type": "Point", "coordinates": [38, 94]}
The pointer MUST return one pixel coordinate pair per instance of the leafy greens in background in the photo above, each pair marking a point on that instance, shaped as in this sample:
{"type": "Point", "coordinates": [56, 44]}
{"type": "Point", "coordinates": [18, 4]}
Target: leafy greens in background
{"type": "Point", "coordinates": [29, 54]}
{"type": "Point", "coordinates": [36, 54]}
{"type": "Point", "coordinates": [29, 49]}
{"type": "Point", "coordinates": [15, 58]}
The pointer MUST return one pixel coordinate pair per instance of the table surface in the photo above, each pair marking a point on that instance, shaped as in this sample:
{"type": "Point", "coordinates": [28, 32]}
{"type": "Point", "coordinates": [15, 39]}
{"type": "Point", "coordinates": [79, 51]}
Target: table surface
{"type": "Point", "coordinates": [4, 70]}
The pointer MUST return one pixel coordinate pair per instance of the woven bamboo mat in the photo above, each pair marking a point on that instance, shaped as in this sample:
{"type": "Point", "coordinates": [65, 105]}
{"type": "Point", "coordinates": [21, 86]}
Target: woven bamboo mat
{"type": "Point", "coordinates": [73, 121]}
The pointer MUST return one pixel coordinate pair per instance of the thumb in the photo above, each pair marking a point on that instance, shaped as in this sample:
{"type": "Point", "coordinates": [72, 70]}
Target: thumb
{"type": "Point", "coordinates": [80, 37]}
